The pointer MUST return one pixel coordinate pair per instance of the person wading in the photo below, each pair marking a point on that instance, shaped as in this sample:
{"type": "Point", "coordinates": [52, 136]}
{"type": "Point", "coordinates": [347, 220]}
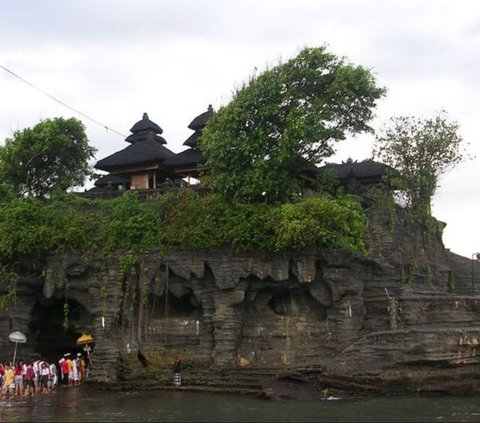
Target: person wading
{"type": "Point", "coordinates": [177, 377]}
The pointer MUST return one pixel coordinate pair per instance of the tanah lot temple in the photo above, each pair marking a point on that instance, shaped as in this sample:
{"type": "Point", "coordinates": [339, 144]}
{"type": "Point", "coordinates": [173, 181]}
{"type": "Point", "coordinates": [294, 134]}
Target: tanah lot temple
{"type": "Point", "coordinates": [146, 165]}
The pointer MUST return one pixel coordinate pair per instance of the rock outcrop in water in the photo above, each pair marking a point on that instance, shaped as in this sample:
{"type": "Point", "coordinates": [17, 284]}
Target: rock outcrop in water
{"type": "Point", "coordinates": [401, 320]}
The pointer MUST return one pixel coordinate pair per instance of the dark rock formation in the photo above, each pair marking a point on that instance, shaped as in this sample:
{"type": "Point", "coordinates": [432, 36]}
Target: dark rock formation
{"type": "Point", "coordinates": [402, 319]}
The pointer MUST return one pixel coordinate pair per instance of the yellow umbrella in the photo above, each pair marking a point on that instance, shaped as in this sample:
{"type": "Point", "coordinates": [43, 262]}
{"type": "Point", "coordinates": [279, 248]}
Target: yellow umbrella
{"type": "Point", "coordinates": [85, 339]}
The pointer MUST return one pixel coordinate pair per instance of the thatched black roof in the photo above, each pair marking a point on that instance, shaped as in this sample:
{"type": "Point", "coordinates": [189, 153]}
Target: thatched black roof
{"type": "Point", "coordinates": [146, 148]}
{"type": "Point", "coordinates": [193, 155]}
{"type": "Point", "coordinates": [201, 120]}
{"type": "Point", "coordinates": [110, 180]}
{"type": "Point", "coordinates": [145, 130]}
{"type": "Point", "coordinates": [192, 140]}
{"type": "Point", "coordinates": [367, 171]}
{"type": "Point", "coordinates": [146, 125]}
{"type": "Point", "coordinates": [98, 189]}
{"type": "Point", "coordinates": [145, 136]}
{"type": "Point", "coordinates": [101, 190]}
{"type": "Point", "coordinates": [140, 153]}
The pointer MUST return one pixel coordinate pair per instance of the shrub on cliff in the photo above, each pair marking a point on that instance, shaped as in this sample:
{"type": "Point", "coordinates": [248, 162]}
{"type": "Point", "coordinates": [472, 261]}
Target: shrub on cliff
{"type": "Point", "coordinates": [331, 223]}
{"type": "Point", "coordinates": [211, 222]}
{"type": "Point", "coordinates": [33, 228]}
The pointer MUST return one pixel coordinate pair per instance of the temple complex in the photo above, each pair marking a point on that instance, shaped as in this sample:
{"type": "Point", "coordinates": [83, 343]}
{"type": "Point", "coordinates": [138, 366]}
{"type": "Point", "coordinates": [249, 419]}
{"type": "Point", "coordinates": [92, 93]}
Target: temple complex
{"type": "Point", "coordinates": [147, 164]}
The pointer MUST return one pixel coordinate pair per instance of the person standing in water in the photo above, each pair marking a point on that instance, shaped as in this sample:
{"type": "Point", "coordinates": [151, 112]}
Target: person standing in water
{"type": "Point", "coordinates": [177, 377]}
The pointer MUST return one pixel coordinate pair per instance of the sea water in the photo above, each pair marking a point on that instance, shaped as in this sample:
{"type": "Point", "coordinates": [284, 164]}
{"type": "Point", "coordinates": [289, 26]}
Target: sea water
{"type": "Point", "coordinates": [86, 404]}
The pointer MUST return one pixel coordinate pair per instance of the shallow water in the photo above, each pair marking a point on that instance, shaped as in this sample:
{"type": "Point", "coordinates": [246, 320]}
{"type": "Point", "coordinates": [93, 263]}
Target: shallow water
{"type": "Point", "coordinates": [87, 404]}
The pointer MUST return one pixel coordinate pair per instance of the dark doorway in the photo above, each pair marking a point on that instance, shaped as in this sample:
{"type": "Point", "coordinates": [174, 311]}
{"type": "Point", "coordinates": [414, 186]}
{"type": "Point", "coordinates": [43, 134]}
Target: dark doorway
{"type": "Point", "coordinates": [51, 337]}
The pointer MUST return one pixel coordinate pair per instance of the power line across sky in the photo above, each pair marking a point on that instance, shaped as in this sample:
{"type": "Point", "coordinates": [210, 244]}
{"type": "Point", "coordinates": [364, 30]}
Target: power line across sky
{"type": "Point", "coordinates": [61, 102]}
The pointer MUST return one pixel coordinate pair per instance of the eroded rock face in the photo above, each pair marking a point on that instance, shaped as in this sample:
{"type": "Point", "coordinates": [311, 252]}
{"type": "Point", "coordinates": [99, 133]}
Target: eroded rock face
{"type": "Point", "coordinates": [347, 321]}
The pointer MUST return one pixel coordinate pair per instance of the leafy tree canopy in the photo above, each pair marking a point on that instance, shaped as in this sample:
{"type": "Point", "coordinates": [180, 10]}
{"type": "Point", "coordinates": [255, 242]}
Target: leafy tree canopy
{"type": "Point", "coordinates": [282, 121]}
{"type": "Point", "coordinates": [53, 155]}
{"type": "Point", "coordinates": [420, 150]}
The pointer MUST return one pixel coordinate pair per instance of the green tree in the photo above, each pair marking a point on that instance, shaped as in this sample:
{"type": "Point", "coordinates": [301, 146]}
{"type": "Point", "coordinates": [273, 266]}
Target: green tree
{"type": "Point", "coordinates": [420, 150]}
{"type": "Point", "coordinates": [52, 155]}
{"type": "Point", "coordinates": [282, 121]}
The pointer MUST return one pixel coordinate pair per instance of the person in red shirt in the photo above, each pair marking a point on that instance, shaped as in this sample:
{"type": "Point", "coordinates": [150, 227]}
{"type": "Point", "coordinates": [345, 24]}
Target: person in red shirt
{"type": "Point", "coordinates": [19, 378]}
{"type": "Point", "coordinates": [64, 367]}
{"type": "Point", "coordinates": [2, 373]}
{"type": "Point", "coordinates": [29, 375]}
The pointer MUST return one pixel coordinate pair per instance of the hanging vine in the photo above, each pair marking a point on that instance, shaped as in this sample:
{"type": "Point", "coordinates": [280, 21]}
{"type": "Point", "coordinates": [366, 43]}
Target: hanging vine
{"type": "Point", "coordinates": [8, 282]}
{"type": "Point", "coordinates": [156, 284]}
{"type": "Point", "coordinates": [428, 275]}
{"type": "Point", "coordinates": [452, 281]}
{"type": "Point", "coordinates": [412, 271]}
{"type": "Point", "coordinates": [128, 281]}
{"type": "Point", "coordinates": [66, 306]}
{"type": "Point", "coordinates": [103, 296]}
{"type": "Point", "coordinates": [166, 302]}
{"type": "Point", "coordinates": [143, 306]}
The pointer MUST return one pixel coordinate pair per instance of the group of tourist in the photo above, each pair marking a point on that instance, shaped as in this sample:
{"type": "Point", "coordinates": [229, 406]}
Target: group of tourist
{"type": "Point", "coordinates": [40, 377]}
{"type": "Point", "coordinates": [37, 376]}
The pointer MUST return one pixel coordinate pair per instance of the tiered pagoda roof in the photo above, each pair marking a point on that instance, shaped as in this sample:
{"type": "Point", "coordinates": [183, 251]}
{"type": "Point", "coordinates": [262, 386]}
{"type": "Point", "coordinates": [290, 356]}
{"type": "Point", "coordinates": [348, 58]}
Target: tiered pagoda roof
{"type": "Point", "coordinates": [193, 154]}
{"type": "Point", "coordinates": [146, 147]}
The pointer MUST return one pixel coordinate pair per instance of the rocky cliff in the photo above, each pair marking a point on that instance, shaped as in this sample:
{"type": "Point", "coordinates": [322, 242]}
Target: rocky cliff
{"type": "Point", "coordinates": [404, 318]}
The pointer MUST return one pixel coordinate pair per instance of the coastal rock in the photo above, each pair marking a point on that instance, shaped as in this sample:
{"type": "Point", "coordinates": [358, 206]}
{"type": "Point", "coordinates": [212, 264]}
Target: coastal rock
{"type": "Point", "coordinates": [401, 318]}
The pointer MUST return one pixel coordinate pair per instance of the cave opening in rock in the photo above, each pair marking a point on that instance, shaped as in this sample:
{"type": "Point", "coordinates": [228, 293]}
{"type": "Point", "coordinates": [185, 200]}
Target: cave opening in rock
{"type": "Point", "coordinates": [51, 338]}
{"type": "Point", "coordinates": [296, 302]}
{"type": "Point", "coordinates": [175, 306]}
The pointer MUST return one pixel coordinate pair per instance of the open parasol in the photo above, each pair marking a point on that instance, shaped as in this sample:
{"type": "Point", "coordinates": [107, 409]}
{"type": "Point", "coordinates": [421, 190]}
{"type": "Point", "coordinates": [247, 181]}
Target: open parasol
{"type": "Point", "coordinates": [85, 339]}
{"type": "Point", "coordinates": [17, 337]}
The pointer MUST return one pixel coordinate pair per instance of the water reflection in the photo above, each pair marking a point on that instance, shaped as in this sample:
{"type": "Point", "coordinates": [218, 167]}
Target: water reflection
{"type": "Point", "coordinates": [85, 404]}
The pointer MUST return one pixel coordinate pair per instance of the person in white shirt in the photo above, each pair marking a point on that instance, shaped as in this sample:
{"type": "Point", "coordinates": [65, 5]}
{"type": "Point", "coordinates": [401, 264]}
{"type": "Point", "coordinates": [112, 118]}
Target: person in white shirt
{"type": "Point", "coordinates": [53, 376]}
{"type": "Point", "coordinates": [44, 376]}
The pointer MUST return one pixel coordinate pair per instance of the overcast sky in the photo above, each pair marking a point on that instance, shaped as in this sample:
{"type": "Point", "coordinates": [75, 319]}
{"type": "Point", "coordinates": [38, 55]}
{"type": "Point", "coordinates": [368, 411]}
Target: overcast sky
{"type": "Point", "coordinates": [113, 60]}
